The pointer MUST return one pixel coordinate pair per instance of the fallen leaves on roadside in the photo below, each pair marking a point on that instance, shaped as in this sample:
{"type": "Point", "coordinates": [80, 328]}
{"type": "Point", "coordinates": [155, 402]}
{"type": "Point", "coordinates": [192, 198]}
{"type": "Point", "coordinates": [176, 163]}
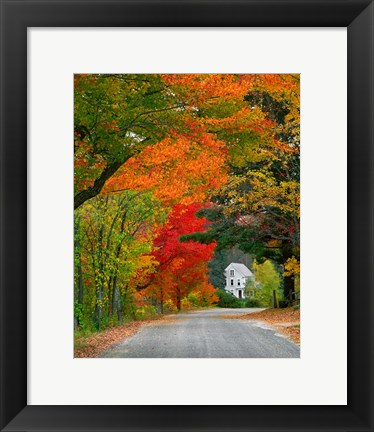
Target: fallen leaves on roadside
{"type": "Point", "coordinates": [285, 320]}
{"type": "Point", "coordinates": [93, 345]}
{"type": "Point", "coordinates": [291, 331]}
{"type": "Point", "coordinates": [281, 315]}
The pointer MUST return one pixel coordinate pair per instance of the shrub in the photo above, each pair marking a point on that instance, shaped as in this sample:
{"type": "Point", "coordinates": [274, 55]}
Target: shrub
{"type": "Point", "coordinates": [169, 307]}
{"type": "Point", "coordinates": [227, 300]}
{"type": "Point", "coordinates": [283, 303]}
{"type": "Point", "coordinates": [146, 312]}
{"type": "Point", "coordinates": [185, 304]}
{"type": "Point", "coordinates": [205, 294]}
{"type": "Point", "coordinates": [252, 303]}
{"type": "Point", "coordinates": [193, 298]}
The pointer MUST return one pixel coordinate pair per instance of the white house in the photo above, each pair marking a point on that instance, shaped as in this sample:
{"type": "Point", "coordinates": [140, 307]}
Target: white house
{"type": "Point", "coordinates": [236, 277]}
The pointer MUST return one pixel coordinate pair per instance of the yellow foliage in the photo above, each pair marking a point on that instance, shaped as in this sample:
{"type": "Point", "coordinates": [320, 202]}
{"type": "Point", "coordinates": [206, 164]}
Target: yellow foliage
{"type": "Point", "coordinates": [292, 267]}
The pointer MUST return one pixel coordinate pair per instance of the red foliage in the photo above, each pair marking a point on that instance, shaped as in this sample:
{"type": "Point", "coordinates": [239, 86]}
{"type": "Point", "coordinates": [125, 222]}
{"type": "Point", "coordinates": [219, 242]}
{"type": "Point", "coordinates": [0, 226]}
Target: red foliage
{"type": "Point", "coordinates": [182, 265]}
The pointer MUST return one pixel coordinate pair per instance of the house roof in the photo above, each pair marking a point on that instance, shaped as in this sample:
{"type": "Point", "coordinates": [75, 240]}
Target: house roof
{"type": "Point", "coordinates": [241, 268]}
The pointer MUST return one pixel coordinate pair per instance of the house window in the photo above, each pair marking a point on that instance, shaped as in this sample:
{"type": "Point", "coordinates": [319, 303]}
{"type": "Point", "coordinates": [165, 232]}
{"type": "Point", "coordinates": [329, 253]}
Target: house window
{"type": "Point", "coordinates": [232, 282]}
{"type": "Point", "coordinates": [238, 282]}
{"type": "Point", "coordinates": [232, 272]}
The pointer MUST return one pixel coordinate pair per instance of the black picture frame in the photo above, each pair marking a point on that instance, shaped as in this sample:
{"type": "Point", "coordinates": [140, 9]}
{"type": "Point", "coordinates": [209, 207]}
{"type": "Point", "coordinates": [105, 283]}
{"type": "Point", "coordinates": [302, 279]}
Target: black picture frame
{"type": "Point", "coordinates": [16, 17]}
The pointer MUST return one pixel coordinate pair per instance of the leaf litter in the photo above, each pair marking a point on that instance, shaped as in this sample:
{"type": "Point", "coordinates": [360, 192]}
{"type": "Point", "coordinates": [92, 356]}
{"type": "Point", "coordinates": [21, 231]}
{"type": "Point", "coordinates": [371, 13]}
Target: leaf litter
{"type": "Point", "coordinates": [286, 321]}
{"type": "Point", "coordinates": [91, 346]}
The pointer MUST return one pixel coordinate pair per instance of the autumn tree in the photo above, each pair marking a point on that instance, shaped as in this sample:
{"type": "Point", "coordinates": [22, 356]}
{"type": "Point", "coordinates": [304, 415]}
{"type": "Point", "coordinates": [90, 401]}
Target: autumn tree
{"type": "Point", "coordinates": [179, 169]}
{"type": "Point", "coordinates": [258, 208]}
{"type": "Point", "coordinates": [265, 284]}
{"type": "Point", "coordinates": [113, 233]}
{"type": "Point", "coordinates": [182, 266]}
{"type": "Point", "coordinates": [115, 118]}
{"type": "Point", "coordinates": [168, 168]}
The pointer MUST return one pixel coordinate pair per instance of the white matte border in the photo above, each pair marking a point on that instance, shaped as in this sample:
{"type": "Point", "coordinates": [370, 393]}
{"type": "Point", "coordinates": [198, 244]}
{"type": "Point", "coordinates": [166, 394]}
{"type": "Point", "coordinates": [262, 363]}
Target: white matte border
{"type": "Point", "coordinates": [319, 376]}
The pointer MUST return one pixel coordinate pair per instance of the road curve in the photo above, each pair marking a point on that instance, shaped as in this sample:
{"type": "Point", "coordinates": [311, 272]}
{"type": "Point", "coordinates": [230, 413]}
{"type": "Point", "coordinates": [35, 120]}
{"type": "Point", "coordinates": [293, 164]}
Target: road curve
{"type": "Point", "coordinates": [205, 334]}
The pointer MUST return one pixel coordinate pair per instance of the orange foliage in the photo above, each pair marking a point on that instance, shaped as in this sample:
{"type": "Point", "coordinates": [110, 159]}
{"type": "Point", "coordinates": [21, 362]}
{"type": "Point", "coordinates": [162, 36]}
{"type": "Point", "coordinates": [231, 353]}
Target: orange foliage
{"type": "Point", "coordinates": [199, 89]}
{"type": "Point", "coordinates": [177, 169]}
{"type": "Point", "coordinates": [206, 292]}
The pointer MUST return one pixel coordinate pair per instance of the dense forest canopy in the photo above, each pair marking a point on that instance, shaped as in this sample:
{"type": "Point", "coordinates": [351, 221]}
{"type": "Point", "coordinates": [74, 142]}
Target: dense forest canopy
{"type": "Point", "coordinates": [173, 171]}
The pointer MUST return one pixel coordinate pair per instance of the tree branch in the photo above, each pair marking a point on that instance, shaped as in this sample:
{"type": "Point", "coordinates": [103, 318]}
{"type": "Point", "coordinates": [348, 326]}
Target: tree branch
{"type": "Point", "coordinates": [94, 190]}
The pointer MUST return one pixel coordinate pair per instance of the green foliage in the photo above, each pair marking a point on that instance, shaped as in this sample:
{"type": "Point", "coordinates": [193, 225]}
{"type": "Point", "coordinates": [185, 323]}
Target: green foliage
{"type": "Point", "coordinates": [186, 304]}
{"type": "Point", "coordinates": [252, 303]}
{"type": "Point", "coordinates": [194, 300]}
{"type": "Point", "coordinates": [146, 312]}
{"type": "Point", "coordinates": [113, 240]}
{"type": "Point", "coordinates": [78, 312]}
{"type": "Point", "coordinates": [227, 300]}
{"type": "Point", "coordinates": [115, 117]}
{"type": "Point", "coordinates": [217, 267]}
{"type": "Point", "coordinates": [266, 280]}
{"type": "Point", "coordinates": [283, 303]}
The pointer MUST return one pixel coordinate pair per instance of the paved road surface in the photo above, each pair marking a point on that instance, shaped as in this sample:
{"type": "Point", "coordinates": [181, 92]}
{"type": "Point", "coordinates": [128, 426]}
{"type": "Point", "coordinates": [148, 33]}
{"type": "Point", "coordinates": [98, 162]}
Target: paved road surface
{"type": "Point", "coordinates": [202, 334]}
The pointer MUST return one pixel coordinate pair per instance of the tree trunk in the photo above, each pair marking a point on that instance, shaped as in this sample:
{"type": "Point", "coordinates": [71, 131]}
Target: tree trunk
{"type": "Point", "coordinates": [162, 300]}
{"type": "Point", "coordinates": [289, 288]}
{"type": "Point", "coordinates": [78, 269]}
{"type": "Point", "coordinates": [110, 297]}
{"type": "Point", "coordinates": [178, 300]}
{"type": "Point", "coordinates": [275, 300]}
{"type": "Point", "coordinates": [100, 281]}
{"type": "Point", "coordinates": [117, 303]}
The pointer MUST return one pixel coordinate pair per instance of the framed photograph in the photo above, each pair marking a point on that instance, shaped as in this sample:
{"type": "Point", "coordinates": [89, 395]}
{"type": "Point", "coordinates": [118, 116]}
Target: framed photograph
{"type": "Point", "coordinates": [157, 158]}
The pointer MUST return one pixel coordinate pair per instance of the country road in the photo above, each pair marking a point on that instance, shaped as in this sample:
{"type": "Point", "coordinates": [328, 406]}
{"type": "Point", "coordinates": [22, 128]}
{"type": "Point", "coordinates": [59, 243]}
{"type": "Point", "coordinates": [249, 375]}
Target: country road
{"type": "Point", "coordinates": [205, 334]}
